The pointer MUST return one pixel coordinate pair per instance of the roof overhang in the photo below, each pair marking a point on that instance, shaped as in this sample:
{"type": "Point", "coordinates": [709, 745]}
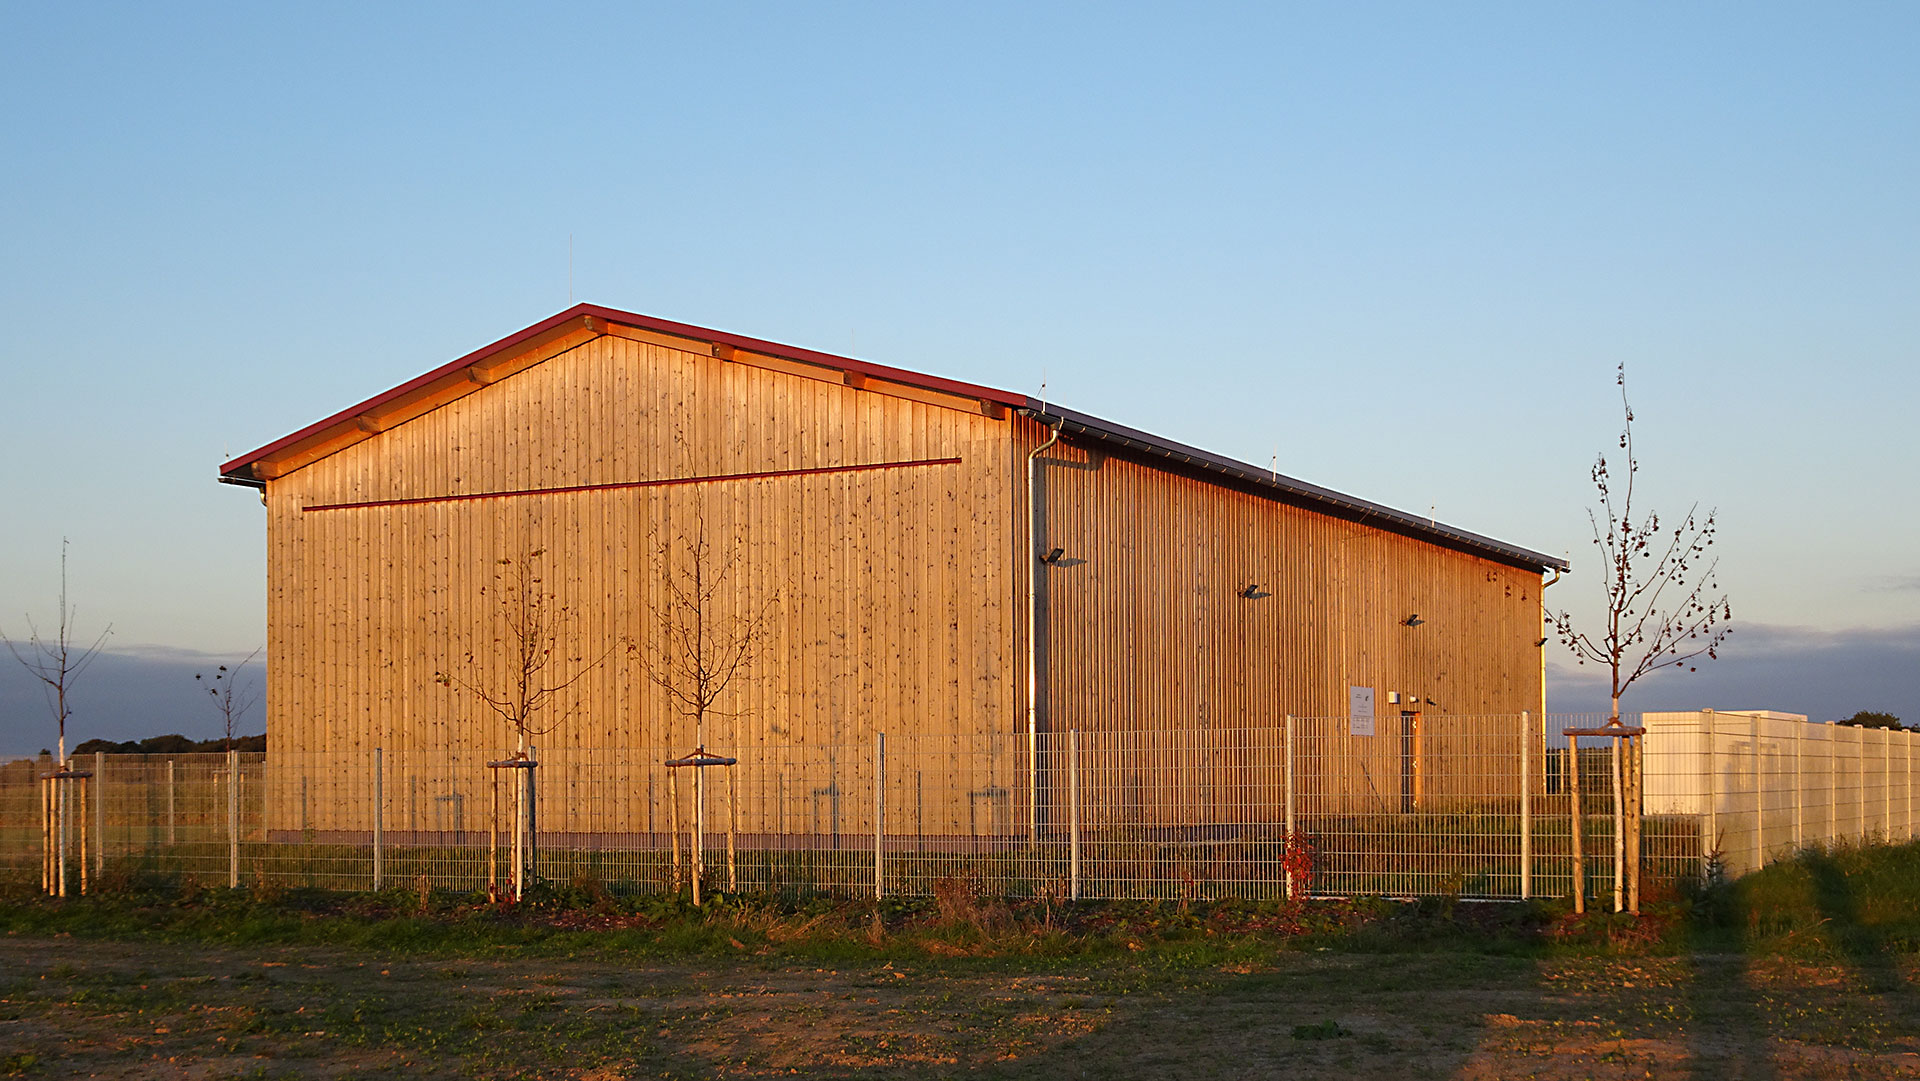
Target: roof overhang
{"type": "Point", "coordinates": [584, 322]}
{"type": "Point", "coordinates": [569, 330]}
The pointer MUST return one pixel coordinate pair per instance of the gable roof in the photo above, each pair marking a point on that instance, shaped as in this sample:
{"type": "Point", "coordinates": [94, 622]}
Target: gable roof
{"type": "Point", "coordinates": [584, 322]}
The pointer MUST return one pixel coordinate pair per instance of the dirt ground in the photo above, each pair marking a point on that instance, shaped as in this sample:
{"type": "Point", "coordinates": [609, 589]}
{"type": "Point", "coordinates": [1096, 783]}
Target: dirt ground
{"type": "Point", "coordinates": [71, 1008]}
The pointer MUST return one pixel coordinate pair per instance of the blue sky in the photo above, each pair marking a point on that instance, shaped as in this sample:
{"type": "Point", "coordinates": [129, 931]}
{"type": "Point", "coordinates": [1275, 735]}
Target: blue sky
{"type": "Point", "coordinates": [1401, 247]}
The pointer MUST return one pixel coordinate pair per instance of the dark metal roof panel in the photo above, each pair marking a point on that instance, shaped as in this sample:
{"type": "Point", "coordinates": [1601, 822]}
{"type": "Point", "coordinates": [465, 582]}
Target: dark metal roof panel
{"type": "Point", "coordinates": [1120, 435]}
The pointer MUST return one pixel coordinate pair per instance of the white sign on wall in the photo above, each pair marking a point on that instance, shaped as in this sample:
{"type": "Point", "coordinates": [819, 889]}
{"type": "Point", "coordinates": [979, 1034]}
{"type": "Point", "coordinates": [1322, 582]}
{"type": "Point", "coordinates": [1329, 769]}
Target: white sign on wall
{"type": "Point", "coordinates": [1359, 711]}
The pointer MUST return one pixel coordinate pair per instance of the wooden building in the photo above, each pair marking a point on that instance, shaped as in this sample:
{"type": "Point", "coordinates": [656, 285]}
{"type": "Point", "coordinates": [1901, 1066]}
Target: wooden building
{"type": "Point", "coordinates": [923, 551]}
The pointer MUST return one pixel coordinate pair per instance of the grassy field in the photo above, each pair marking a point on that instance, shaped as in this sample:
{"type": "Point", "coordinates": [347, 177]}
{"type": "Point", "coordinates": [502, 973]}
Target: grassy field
{"type": "Point", "coordinates": [1807, 969]}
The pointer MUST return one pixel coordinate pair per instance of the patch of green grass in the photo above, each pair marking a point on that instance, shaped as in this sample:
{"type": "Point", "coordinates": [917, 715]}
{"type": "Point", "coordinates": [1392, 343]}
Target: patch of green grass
{"type": "Point", "coordinates": [1324, 1030]}
{"type": "Point", "coordinates": [979, 931]}
{"type": "Point", "coordinates": [1865, 885]}
{"type": "Point", "coordinates": [1859, 904]}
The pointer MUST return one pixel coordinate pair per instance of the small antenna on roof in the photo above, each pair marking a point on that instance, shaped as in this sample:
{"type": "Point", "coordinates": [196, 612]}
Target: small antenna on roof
{"type": "Point", "coordinates": [1276, 463]}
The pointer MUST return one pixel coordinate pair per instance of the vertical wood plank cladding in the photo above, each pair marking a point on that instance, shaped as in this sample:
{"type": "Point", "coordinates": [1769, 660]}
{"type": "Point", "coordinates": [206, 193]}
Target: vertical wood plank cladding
{"type": "Point", "coordinates": [368, 603]}
{"type": "Point", "coordinates": [902, 592]}
{"type": "Point", "coordinates": [1145, 629]}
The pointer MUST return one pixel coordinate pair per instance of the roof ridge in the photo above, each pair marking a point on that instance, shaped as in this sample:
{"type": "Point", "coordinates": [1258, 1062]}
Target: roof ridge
{"type": "Point", "coordinates": [240, 470]}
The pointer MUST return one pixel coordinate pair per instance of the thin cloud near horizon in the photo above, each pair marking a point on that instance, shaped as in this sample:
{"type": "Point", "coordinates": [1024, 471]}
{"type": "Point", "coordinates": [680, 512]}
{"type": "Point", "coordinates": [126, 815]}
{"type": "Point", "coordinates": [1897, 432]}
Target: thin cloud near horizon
{"type": "Point", "coordinates": [1826, 675]}
{"type": "Point", "coordinates": [142, 690]}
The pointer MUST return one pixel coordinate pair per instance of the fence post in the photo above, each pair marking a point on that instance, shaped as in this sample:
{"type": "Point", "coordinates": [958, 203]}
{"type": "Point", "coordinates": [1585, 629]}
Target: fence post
{"type": "Point", "coordinates": [1073, 814]}
{"type": "Point", "coordinates": [1636, 812]}
{"type": "Point", "coordinates": [733, 828]}
{"type": "Point", "coordinates": [879, 812]}
{"type": "Point", "coordinates": [1832, 832]}
{"type": "Point", "coordinates": [63, 805]}
{"type": "Point", "coordinates": [46, 836]}
{"type": "Point", "coordinates": [1886, 783]}
{"type": "Point", "coordinates": [86, 790]}
{"type": "Point", "coordinates": [1619, 828]}
{"type": "Point", "coordinates": [233, 820]}
{"type": "Point", "coordinates": [1799, 814]}
{"type": "Point", "coordinates": [1713, 792]}
{"type": "Point", "coordinates": [379, 813]}
{"type": "Point", "coordinates": [519, 840]}
{"type": "Point", "coordinates": [673, 824]}
{"type": "Point", "coordinates": [99, 787]}
{"type": "Point", "coordinates": [170, 834]}
{"type": "Point", "coordinates": [1526, 805]}
{"type": "Point", "coordinates": [1759, 802]}
{"type": "Point", "coordinates": [520, 836]}
{"type": "Point", "coordinates": [1908, 742]}
{"type": "Point", "coordinates": [55, 838]}
{"type": "Point", "coordinates": [1292, 840]}
{"type": "Point", "coordinates": [533, 813]}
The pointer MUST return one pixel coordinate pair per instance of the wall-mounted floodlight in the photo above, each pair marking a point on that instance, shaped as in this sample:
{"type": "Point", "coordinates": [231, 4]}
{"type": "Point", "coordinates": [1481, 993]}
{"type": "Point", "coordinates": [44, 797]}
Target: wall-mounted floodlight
{"type": "Point", "coordinates": [1412, 620]}
{"type": "Point", "coordinates": [1540, 643]}
{"type": "Point", "coordinates": [1251, 590]}
{"type": "Point", "coordinates": [1053, 556]}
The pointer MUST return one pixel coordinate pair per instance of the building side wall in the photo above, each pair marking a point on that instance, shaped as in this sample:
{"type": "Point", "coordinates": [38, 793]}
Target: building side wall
{"type": "Point", "coordinates": [885, 593]}
{"type": "Point", "coordinates": [1145, 630]}
{"type": "Point", "coordinates": [884, 539]}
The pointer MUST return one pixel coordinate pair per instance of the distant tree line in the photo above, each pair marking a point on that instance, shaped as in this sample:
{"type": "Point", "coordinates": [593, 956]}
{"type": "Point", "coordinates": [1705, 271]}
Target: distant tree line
{"type": "Point", "coordinates": [1867, 718]}
{"type": "Point", "coordinates": [171, 744]}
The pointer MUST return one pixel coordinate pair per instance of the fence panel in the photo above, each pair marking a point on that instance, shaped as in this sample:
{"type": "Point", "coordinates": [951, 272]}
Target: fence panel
{"type": "Point", "coordinates": [1168, 815]}
{"type": "Point", "coordinates": [1406, 804]}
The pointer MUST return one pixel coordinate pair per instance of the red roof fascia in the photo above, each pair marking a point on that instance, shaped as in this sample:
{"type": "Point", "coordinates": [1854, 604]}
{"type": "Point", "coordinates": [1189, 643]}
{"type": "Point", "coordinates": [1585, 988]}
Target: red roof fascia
{"type": "Point", "coordinates": [644, 322]}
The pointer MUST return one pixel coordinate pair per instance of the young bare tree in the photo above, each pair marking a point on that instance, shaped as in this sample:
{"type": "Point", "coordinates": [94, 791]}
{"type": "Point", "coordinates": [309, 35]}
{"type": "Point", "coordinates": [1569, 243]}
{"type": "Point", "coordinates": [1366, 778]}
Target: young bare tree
{"type": "Point", "coordinates": [58, 663]}
{"type": "Point", "coordinates": [537, 638]}
{"type": "Point", "coordinates": [1665, 609]}
{"type": "Point", "coordinates": [704, 644]}
{"type": "Point", "coordinates": [232, 698]}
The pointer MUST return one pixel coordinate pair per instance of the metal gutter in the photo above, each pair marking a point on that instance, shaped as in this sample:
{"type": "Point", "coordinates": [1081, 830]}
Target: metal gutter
{"type": "Point", "coordinates": [1298, 490]}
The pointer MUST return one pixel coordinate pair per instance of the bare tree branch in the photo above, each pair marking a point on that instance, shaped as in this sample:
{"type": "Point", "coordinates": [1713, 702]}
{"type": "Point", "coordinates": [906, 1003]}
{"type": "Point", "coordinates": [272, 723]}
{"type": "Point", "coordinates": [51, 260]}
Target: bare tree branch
{"type": "Point", "coordinates": [704, 649]}
{"type": "Point", "coordinates": [1642, 565]}
{"type": "Point", "coordinates": [232, 704]}
{"type": "Point", "coordinates": [535, 634]}
{"type": "Point", "coordinates": [58, 664]}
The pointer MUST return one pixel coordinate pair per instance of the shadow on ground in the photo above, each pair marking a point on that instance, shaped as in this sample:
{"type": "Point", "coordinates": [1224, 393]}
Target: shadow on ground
{"type": "Point", "coordinates": [1312, 1016]}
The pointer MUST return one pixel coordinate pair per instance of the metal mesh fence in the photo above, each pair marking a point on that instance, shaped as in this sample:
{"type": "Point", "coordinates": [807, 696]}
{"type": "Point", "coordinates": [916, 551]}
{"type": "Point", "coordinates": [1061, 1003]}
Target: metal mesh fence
{"type": "Point", "coordinates": [1764, 785]}
{"type": "Point", "coordinates": [1403, 805]}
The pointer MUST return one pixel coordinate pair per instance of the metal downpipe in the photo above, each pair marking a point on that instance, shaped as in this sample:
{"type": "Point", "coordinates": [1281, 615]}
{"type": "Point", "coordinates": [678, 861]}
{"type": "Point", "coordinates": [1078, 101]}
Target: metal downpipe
{"type": "Point", "coordinates": [1033, 633]}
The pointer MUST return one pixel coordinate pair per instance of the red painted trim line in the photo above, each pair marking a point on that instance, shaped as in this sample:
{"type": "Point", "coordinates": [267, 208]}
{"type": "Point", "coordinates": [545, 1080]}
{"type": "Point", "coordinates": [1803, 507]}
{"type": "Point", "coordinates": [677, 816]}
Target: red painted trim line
{"type": "Point", "coordinates": [667, 483]}
{"type": "Point", "coordinates": [239, 468]}
{"type": "Point", "coordinates": [347, 414]}
{"type": "Point", "coordinates": [643, 322]}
